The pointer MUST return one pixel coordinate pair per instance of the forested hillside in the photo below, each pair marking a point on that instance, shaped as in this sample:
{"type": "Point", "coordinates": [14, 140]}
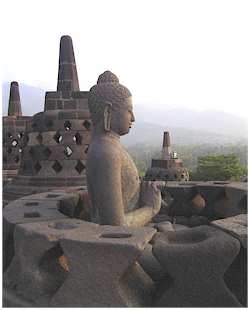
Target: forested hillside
{"type": "Point", "coordinates": [142, 153]}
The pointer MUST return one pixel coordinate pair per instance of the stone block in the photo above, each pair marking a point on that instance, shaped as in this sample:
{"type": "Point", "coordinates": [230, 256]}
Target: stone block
{"type": "Point", "coordinates": [79, 264]}
{"type": "Point", "coordinates": [25, 211]}
{"type": "Point", "coordinates": [64, 114]}
{"type": "Point", "coordinates": [50, 104]}
{"type": "Point", "coordinates": [150, 264]}
{"type": "Point", "coordinates": [164, 226]}
{"type": "Point", "coordinates": [236, 277]}
{"type": "Point", "coordinates": [162, 218]}
{"type": "Point", "coordinates": [229, 204]}
{"type": "Point", "coordinates": [66, 94]}
{"type": "Point", "coordinates": [80, 94]}
{"type": "Point", "coordinates": [83, 114]}
{"type": "Point", "coordinates": [59, 104]}
{"type": "Point", "coordinates": [52, 94]}
{"type": "Point", "coordinates": [196, 259]}
{"type": "Point", "coordinates": [83, 103]}
{"type": "Point", "coordinates": [236, 226]}
{"type": "Point", "coordinates": [198, 220]}
{"type": "Point", "coordinates": [35, 272]}
{"type": "Point", "coordinates": [107, 257]}
{"type": "Point", "coordinates": [70, 104]}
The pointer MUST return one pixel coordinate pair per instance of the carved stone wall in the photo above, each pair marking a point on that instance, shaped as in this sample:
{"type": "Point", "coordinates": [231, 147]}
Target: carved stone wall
{"type": "Point", "coordinates": [52, 258]}
{"type": "Point", "coordinates": [14, 137]}
{"type": "Point", "coordinates": [56, 146]}
{"type": "Point", "coordinates": [56, 140]}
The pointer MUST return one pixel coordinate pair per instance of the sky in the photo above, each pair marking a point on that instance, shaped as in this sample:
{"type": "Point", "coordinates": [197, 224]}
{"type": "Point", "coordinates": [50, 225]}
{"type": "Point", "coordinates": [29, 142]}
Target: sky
{"type": "Point", "coordinates": [170, 54]}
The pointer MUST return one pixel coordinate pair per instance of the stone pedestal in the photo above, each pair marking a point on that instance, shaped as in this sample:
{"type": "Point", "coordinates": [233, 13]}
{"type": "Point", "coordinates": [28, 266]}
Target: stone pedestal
{"type": "Point", "coordinates": [196, 259]}
{"type": "Point", "coordinates": [100, 265]}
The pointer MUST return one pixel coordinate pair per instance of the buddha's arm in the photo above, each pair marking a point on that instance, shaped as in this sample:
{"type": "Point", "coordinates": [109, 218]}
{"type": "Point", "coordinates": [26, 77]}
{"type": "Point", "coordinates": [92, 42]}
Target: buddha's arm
{"type": "Point", "coordinates": [105, 171]}
{"type": "Point", "coordinates": [150, 204]}
{"type": "Point", "coordinates": [139, 217]}
{"type": "Point", "coordinates": [107, 191]}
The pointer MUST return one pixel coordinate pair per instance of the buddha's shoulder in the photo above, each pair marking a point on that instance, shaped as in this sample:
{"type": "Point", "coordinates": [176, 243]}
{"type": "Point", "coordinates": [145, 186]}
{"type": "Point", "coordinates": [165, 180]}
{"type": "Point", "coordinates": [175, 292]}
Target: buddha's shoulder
{"type": "Point", "coordinates": [104, 148]}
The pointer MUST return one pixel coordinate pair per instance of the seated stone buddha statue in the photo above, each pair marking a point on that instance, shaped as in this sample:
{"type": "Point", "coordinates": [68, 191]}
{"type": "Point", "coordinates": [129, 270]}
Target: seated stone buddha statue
{"type": "Point", "coordinates": [112, 178]}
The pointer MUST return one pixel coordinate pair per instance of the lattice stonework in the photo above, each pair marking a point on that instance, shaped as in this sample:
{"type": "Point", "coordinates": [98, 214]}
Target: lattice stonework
{"type": "Point", "coordinates": [60, 150]}
{"type": "Point", "coordinates": [14, 138]}
{"type": "Point", "coordinates": [56, 139]}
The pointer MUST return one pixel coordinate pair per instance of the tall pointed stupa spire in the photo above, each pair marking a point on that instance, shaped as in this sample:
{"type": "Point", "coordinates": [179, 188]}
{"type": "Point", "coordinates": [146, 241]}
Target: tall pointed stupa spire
{"type": "Point", "coordinates": [166, 151]}
{"type": "Point", "coordinates": [15, 108]}
{"type": "Point", "coordinates": [67, 73]}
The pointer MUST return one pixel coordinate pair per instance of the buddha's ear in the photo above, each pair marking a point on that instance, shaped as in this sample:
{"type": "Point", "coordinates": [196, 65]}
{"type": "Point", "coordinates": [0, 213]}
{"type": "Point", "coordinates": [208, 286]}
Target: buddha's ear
{"type": "Point", "coordinates": [107, 115]}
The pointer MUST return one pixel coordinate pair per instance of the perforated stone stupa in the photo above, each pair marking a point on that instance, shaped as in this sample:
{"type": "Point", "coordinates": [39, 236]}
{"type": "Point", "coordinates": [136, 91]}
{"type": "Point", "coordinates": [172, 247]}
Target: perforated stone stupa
{"type": "Point", "coordinates": [58, 138]}
{"type": "Point", "coordinates": [13, 134]}
{"type": "Point", "coordinates": [169, 167]}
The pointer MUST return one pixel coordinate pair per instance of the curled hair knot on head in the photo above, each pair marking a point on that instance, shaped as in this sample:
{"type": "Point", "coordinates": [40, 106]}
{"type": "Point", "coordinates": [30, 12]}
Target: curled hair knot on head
{"type": "Point", "coordinates": [107, 77]}
{"type": "Point", "coordinates": [107, 90]}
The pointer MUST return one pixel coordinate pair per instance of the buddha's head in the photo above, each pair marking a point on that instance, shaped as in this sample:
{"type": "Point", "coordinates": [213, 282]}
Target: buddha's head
{"type": "Point", "coordinates": [110, 105]}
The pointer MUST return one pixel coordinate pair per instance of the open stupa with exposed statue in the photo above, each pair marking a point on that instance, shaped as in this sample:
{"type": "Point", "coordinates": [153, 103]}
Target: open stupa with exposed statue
{"type": "Point", "coordinates": [81, 230]}
{"type": "Point", "coordinates": [169, 167]}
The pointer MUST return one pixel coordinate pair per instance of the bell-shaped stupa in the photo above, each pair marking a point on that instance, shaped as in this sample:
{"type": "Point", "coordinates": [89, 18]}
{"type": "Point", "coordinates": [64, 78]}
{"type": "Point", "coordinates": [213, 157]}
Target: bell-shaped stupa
{"type": "Point", "coordinates": [13, 134]}
{"type": "Point", "coordinates": [169, 167]}
{"type": "Point", "coordinates": [58, 138]}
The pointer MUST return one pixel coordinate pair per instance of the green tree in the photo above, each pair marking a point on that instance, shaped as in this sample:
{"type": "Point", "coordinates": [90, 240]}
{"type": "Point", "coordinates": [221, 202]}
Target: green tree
{"type": "Point", "coordinates": [219, 167]}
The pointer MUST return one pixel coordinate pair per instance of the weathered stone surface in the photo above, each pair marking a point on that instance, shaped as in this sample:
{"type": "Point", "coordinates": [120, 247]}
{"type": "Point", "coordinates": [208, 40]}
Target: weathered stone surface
{"type": "Point", "coordinates": [25, 211]}
{"type": "Point", "coordinates": [221, 199]}
{"type": "Point", "coordinates": [57, 140]}
{"type": "Point", "coordinates": [197, 220]}
{"type": "Point", "coordinates": [196, 259]}
{"type": "Point", "coordinates": [236, 226]}
{"type": "Point", "coordinates": [197, 204]}
{"type": "Point", "coordinates": [179, 227]}
{"type": "Point", "coordinates": [59, 204]}
{"type": "Point", "coordinates": [15, 108]}
{"type": "Point", "coordinates": [236, 277]}
{"type": "Point", "coordinates": [162, 218]}
{"type": "Point", "coordinates": [35, 273]}
{"type": "Point", "coordinates": [67, 73]}
{"type": "Point", "coordinates": [150, 264]}
{"type": "Point", "coordinates": [169, 167]}
{"type": "Point", "coordinates": [75, 263]}
{"type": "Point", "coordinates": [108, 274]}
{"type": "Point", "coordinates": [14, 138]}
{"type": "Point", "coordinates": [164, 226]}
{"type": "Point", "coordinates": [230, 203]}
{"type": "Point", "coordinates": [115, 191]}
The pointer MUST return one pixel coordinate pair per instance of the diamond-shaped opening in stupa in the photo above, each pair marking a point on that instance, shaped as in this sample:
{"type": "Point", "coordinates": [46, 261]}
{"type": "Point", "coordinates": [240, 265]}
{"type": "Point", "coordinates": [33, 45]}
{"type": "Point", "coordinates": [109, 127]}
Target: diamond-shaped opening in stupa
{"type": "Point", "coordinates": [57, 167]}
{"type": "Point", "coordinates": [77, 138]}
{"type": "Point", "coordinates": [39, 138]}
{"type": "Point", "coordinates": [87, 124]}
{"type": "Point", "coordinates": [68, 152]}
{"type": "Point", "coordinates": [14, 143]}
{"type": "Point", "coordinates": [67, 125]}
{"type": "Point", "coordinates": [47, 152]}
{"type": "Point", "coordinates": [79, 167]}
{"type": "Point", "coordinates": [37, 166]}
{"type": "Point", "coordinates": [86, 149]}
{"type": "Point", "coordinates": [58, 137]}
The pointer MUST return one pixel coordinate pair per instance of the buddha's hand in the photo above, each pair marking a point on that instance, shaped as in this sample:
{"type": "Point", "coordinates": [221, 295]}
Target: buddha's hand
{"type": "Point", "coordinates": [150, 195]}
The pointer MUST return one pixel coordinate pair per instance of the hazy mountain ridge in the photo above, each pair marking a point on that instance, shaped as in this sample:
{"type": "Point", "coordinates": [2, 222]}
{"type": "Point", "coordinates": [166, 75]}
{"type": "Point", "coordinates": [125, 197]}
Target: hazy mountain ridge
{"type": "Point", "coordinates": [152, 134]}
{"type": "Point", "coordinates": [185, 126]}
{"type": "Point", "coordinates": [211, 121]}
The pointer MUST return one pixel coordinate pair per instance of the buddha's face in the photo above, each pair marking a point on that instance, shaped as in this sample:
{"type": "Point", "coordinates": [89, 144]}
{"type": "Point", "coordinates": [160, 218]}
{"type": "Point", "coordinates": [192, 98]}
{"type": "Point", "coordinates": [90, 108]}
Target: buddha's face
{"type": "Point", "coordinates": [122, 118]}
